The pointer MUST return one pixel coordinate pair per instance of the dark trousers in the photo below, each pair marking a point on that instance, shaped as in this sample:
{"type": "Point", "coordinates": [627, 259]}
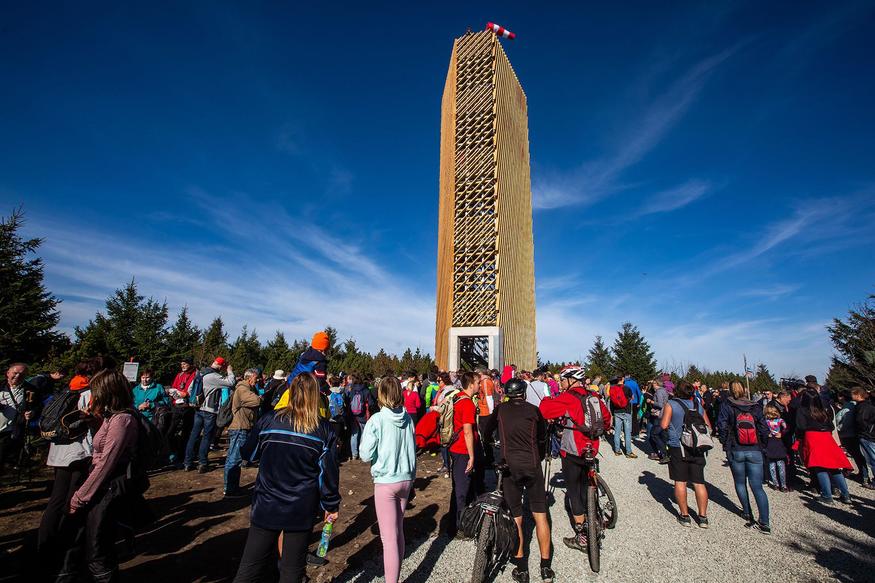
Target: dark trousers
{"type": "Point", "coordinates": [852, 445]}
{"type": "Point", "coordinates": [657, 437]}
{"type": "Point", "coordinates": [203, 423]}
{"type": "Point", "coordinates": [466, 487]}
{"type": "Point", "coordinates": [181, 423]}
{"type": "Point", "coordinates": [60, 537]}
{"type": "Point", "coordinates": [636, 424]}
{"type": "Point", "coordinates": [486, 440]}
{"type": "Point", "coordinates": [260, 554]}
{"type": "Point", "coordinates": [574, 470]}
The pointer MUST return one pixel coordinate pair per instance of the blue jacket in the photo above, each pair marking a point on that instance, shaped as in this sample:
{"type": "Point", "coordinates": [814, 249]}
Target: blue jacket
{"type": "Point", "coordinates": [726, 424]}
{"type": "Point", "coordinates": [298, 473]}
{"type": "Point", "coordinates": [636, 390]}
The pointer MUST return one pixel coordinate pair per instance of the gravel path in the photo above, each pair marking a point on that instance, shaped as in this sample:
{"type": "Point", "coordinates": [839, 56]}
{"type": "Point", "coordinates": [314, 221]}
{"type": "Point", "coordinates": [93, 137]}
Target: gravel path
{"type": "Point", "coordinates": [809, 542]}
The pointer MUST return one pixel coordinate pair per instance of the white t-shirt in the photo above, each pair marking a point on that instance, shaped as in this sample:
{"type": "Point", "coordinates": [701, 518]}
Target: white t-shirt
{"type": "Point", "coordinates": [535, 391]}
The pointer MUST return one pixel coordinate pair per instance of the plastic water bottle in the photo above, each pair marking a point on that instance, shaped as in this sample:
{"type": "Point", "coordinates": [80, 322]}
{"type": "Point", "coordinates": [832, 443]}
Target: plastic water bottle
{"type": "Point", "coordinates": [326, 536]}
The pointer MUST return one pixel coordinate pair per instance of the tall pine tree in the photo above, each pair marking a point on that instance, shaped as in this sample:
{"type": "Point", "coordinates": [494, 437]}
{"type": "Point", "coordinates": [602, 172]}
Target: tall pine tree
{"type": "Point", "coordinates": [182, 340]}
{"type": "Point", "coordinates": [214, 343]}
{"type": "Point", "coordinates": [853, 363]}
{"type": "Point", "coordinates": [277, 355]}
{"type": "Point", "coordinates": [632, 354]}
{"type": "Point", "coordinates": [28, 312]}
{"type": "Point", "coordinates": [246, 351]}
{"type": "Point", "coordinates": [599, 361]}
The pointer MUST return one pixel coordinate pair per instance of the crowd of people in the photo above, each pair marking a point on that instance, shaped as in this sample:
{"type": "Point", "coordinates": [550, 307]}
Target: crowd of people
{"type": "Point", "coordinates": [298, 426]}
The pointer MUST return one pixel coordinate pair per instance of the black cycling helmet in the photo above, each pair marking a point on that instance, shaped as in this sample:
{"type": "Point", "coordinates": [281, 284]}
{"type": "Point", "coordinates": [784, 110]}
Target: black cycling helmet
{"type": "Point", "coordinates": [515, 388]}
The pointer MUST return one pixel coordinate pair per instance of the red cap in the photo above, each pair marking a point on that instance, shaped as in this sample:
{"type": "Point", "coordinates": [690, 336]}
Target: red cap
{"type": "Point", "coordinates": [220, 361]}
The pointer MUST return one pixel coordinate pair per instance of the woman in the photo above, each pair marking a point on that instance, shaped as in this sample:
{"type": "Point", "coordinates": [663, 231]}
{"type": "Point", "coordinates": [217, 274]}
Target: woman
{"type": "Point", "coordinates": [744, 434]}
{"type": "Point", "coordinates": [149, 396]}
{"type": "Point", "coordinates": [388, 443]}
{"type": "Point", "coordinates": [102, 496]}
{"type": "Point", "coordinates": [820, 453]}
{"type": "Point", "coordinates": [70, 461]}
{"type": "Point", "coordinates": [298, 473]}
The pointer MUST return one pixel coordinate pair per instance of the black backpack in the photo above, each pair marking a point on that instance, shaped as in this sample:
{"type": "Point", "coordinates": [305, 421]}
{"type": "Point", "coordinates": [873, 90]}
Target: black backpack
{"type": "Point", "coordinates": [225, 415]}
{"type": "Point", "coordinates": [61, 421]}
{"type": "Point", "coordinates": [151, 446]}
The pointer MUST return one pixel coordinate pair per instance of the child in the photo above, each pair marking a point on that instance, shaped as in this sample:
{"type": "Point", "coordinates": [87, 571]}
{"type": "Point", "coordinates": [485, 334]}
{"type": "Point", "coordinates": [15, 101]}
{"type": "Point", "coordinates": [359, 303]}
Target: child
{"type": "Point", "coordinates": [776, 452]}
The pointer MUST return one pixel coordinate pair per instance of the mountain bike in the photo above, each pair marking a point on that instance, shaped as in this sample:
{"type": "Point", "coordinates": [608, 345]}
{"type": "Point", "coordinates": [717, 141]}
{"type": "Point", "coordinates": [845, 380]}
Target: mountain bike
{"type": "Point", "coordinates": [601, 509]}
{"type": "Point", "coordinates": [489, 522]}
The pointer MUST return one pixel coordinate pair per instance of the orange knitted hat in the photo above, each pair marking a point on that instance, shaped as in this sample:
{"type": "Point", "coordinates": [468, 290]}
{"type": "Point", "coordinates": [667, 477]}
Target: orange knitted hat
{"type": "Point", "coordinates": [320, 341]}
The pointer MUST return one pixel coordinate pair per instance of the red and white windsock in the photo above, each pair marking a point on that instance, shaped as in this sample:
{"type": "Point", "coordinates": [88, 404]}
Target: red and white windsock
{"type": "Point", "coordinates": [500, 30]}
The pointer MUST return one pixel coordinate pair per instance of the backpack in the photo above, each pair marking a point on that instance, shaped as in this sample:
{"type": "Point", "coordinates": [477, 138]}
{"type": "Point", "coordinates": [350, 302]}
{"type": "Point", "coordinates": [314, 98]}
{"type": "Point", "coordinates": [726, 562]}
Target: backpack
{"type": "Point", "coordinates": [619, 399]}
{"type": "Point", "coordinates": [61, 421]}
{"type": "Point", "coordinates": [336, 404]}
{"type": "Point", "coordinates": [357, 404]}
{"type": "Point", "coordinates": [593, 421]}
{"type": "Point", "coordinates": [745, 428]}
{"type": "Point", "coordinates": [446, 416]}
{"type": "Point", "coordinates": [695, 435]}
{"type": "Point", "coordinates": [225, 414]}
{"type": "Point", "coordinates": [151, 446]}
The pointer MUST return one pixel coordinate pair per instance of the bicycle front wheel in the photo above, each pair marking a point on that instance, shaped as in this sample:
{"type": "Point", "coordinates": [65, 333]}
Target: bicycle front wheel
{"type": "Point", "coordinates": [593, 528]}
{"type": "Point", "coordinates": [481, 555]}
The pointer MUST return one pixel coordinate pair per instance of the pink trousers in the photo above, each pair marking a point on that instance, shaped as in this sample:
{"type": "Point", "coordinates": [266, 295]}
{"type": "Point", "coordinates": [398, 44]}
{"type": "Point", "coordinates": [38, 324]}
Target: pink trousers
{"type": "Point", "coordinates": [391, 500]}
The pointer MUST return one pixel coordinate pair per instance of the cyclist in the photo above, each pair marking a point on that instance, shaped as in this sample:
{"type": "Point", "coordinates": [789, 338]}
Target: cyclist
{"type": "Point", "coordinates": [570, 404]}
{"type": "Point", "coordinates": [523, 432]}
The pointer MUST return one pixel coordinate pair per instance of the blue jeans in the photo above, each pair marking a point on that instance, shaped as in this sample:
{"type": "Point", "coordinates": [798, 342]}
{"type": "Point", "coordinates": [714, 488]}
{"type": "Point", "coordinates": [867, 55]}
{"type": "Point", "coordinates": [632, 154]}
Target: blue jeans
{"type": "Point", "coordinates": [206, 423]}
{"type": "Point", "coordinates": [824, 477]}
{"type": "Point", "coordinates": [778, 472]}
{"type": "Point", "coordinates": [656, 436]}
{"type": "Point", "coordinates": [234, 460]}
{"type": "Point", "coordinates": [623, 422]}
{"type": "Point", "coordinates": [747, 467]}
{"type": "Point", "coordinates": [355, 434]}
{"type": "Point", "coordinates": [868, 449]}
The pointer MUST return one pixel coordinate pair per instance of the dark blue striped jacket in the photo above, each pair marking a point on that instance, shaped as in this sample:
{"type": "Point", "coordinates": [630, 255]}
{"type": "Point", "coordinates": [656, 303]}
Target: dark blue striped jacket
{"type": "Point", "coordinates": [297, 474]}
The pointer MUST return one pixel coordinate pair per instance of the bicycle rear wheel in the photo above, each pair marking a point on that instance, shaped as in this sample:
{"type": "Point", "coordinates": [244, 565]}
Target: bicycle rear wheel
{"type": "Point", "coordinates": [594, 528]}
{"type": "Point", "coordinates": [483, 552]}
{"type": "Point", "coordinates": [607, 503]}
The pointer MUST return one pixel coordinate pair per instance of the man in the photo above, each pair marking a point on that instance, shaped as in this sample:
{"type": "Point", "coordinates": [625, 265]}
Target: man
{"type": "Point", "coordinates": [16, 410]}
{"type": "Point", "coordinates": [219, 375]}
{"type": "Point", "coordinates": [578, 438]}
{"type": "Point", "coordinates": [621, 409]}
{"type": "Point", "coordinates": [486, 405]}
{"type": "Point", "coordinates": [466, 453]}
{"type": "Point", "coordinates": [47, 384]}
{"type": "Point", "coordinates": [361, 403]}
{"type": "Point", "coordinates": [244, 407]}
{"type": "Point", "coordinates": [637, 402]}
{"type": "Point", "coordinates": [685, 466]}
{"type": "Point", "coordinates": [864, 421]}
{"type": "Point", "coordinates": [522, 431]}
{"type": "Point", "coordinates": [186, 383]}
{"type": "Point", "coordinates": [654, 429]}
{"type": "Point", "coordinates": [537, 389]}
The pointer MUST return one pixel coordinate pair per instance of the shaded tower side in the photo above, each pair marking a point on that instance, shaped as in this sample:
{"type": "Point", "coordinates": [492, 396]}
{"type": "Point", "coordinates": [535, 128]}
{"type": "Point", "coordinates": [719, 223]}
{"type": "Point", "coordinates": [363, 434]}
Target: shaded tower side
{"type": "Point", "coordinates": [516, 262]}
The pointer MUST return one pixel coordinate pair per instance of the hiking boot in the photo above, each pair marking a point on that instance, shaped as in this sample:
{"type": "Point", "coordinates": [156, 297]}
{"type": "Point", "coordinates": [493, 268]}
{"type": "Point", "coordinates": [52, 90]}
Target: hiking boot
{"type": "Point", "coordinates": [763, 528]}
{"type": "Point", "coordinates": [826, 501]}
{"type": "Point", "coordinates": [663, 461]}
{"type": "Point", "coordinates": [203, 469]}
{"type": "Point", "coordinates": [547, 575]}
{"type": "Point", "coordinates": [578, 541]}
{"type": "Point", "coordinates": [703, 522]}
{"type": "Point", "coordinates": [519, 575]}
{"type": "Point", "coordinates": [632, 455]}
{"type": "Point", "coordinates": [685, 520]}
{"type": "Point", "coordinates": [784, 489]}
{"type": "Point", "coordinates": [869, 486]}
{"type": "Point", "coordinates": [618, 453]}
{"type": "Point", "coordinates": [187, 468]}
{"type": "Point", "coordinates": [845, 499]}
{"type": "Point", "coordinates": [654, 457]}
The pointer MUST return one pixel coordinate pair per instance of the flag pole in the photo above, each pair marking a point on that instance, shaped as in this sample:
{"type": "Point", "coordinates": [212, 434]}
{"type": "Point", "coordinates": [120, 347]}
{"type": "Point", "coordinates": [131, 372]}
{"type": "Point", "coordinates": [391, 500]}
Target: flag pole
{"type": "Point", "coordinates": [746, 376]}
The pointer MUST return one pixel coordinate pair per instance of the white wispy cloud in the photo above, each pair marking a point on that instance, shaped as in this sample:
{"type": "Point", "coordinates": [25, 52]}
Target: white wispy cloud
{"type": "Point", "coordinates": [600, 178]}
{"type": "Point", "coordinates": [675, 198]}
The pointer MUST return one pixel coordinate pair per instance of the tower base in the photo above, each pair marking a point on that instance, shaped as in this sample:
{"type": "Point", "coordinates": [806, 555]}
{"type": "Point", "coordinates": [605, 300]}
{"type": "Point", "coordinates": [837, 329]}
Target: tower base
{"type": "Point", "coordinates": [471, 347]}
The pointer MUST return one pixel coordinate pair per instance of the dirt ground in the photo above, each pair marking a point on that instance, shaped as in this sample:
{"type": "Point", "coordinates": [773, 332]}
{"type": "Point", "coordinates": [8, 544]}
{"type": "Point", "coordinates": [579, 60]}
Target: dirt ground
{"type": "Point", "coordinates": [199, 535]}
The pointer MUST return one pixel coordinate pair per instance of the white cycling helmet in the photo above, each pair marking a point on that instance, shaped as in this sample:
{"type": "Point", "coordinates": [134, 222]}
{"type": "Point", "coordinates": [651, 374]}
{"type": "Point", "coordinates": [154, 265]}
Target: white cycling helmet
{"type": "Point", "coordinates": [573, 371]}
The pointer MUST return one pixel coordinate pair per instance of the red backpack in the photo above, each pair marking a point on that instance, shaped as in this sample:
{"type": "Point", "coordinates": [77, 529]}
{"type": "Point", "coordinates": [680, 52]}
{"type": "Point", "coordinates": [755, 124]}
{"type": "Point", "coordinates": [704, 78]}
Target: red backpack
{"type": "Point", "coordinates": [745, 429]}
{"type": "Point", "coordinates": [618, 397]}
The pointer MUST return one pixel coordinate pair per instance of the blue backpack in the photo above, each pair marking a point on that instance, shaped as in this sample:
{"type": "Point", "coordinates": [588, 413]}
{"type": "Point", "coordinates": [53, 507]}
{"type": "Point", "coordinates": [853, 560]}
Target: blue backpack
{"type": "Point", "coordinates": [336, 405]}
{"type": "Point", "coordinates": [301, 366]}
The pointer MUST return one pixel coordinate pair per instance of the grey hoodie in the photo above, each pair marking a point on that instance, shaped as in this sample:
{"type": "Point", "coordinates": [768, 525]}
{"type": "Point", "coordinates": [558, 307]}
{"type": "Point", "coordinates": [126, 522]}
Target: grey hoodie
{"type": "Point", "coordinates": [213, 383]}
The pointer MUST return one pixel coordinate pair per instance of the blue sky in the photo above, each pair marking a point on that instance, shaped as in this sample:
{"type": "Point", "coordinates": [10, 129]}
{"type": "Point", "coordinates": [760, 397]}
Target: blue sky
{"type": "Point", "coordinates": [703, 170]}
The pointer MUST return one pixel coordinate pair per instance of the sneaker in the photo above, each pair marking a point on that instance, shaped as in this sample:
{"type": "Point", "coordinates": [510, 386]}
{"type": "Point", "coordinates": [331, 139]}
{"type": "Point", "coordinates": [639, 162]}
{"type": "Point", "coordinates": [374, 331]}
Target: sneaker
{"type": "Point", "coordinates": [547, 575]}
{"type": "Point", "coordinates": [653, 457]}
{"type": "Point", "coordinates": [703, 522]}
{"type": "Point", "coordinates": [187, 468]}
{"type": "Point", "coordinates": [663, 461]}
{"type": "Point", "coordinates": [519, 575]}
{"type": "Point", "coordinates": [845, 499]}
{"type": "Point", "coordinates": [747, 517]}
{"type": "Point", "coordinates": [763, 528]}
{"type": "Point", "coordinates": [685, 520]}
{"type": "Point", "coordinates": [869, 486]}
{"type": "Point", "coordinates": [826, 501]}
{"type": "Point", "coordinates": [784, 489]}
{"type": "Point", "coordinates": [618, 453]}
{"type": "Point", "coordinates": [578, 541]}
{"type": "Point", "coordinates": [203, 469]}
{"type": "Point", "coordinates": [632, 455]}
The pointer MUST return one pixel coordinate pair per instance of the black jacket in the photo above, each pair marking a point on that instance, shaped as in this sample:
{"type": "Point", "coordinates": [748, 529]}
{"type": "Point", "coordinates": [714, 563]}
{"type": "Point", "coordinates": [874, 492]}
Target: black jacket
{"type": "Point", "coordinates": [368, 402]}
{"type": "Point", "coordinates": [864, 419]}
{"type": "Point", "coordinates": [297, 474]}
{"type": "Point", "coordinates": [522, 431]}
{"type": "Point", "coordinates": [726, 424]}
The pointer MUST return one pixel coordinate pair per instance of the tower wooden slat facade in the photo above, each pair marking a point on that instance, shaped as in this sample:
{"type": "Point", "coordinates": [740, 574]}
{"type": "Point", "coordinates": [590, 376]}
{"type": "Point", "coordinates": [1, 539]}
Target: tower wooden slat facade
{"type": "Point", "coordinates": [485, 244]}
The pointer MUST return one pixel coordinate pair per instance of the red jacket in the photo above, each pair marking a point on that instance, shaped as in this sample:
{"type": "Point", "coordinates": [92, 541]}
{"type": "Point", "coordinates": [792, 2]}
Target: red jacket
{"type": "Point", "coordinates": [182, 382]}
{"type": "Point", "coordinates": [569, 405]}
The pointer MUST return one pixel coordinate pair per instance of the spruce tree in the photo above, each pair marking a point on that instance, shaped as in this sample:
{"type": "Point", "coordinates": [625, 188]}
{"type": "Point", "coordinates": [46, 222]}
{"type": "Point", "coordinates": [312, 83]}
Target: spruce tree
{"type": "Point", "coordinates": [853, 363]}
{"type": "Point", "coordinates": [277, 355]}
{"type": "Point", "coordinates": [214, 343]}
{"type": "Point", "coordinates": [383, 364]}
{"type": "Point", "coordinates": [599, 361]}
{"type": "Point", "coordinates": [763, 380]}
{"type": "Point", "coordinates": [632, 354]}
{"type": "Point", "coordinates": [28, 312]}
{"type": "Point", "coordinates": [182, 340]}
{"type": "Point", "coordinates": [245, 352]}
